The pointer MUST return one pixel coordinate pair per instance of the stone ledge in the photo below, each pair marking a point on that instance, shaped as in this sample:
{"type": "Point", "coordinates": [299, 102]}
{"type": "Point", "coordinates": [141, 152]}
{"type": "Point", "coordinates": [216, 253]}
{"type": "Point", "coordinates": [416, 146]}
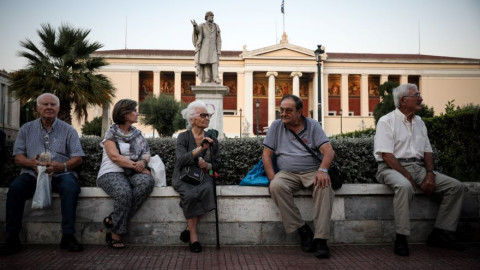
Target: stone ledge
{"type": "Point", "coordinates": [362, 213]}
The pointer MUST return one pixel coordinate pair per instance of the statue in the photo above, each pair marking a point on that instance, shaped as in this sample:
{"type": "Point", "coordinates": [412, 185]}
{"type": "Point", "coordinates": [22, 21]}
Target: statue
{"type": "Point", "coordinates": [208, 42]}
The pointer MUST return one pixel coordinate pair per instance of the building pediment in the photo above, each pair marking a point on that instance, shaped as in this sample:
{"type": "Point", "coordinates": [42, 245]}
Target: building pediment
{"type": "Point", "coordinates": [282, 50]}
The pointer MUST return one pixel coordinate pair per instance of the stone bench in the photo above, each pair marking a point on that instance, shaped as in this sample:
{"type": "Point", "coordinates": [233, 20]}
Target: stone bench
{"type": "Point", "coordinates": [362, 214]}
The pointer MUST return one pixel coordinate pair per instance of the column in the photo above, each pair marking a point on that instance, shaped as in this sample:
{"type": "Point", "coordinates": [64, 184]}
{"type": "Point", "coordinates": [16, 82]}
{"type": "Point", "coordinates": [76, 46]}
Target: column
{"type": "Point", "coordinates": [271, 96]}
{"type": "Point", "coordinates": [315, 96]}
{"type": "Point", "coordinates": [364, 94]}
{"type": "Point", "coordinates": [296, 82]}
{"type": "Point", "coordinates": [156, 83]}
{"type": "Point", "coordinates": [249, 101]}
{"type": "Point", "coordinates": [383, 79]}
{"type": "Point", "coordinates": [240, 89]}
{"type": "Point", "coordinates": [178, 86]}
{"type": "Point", "coordinates": [344, 95]}
{"type": "Point", "coordinates": [403, 79]}
{"type": "Point", "coordinates": [326, 108]}
{"type": "Point", "coordinates": [220, 75]}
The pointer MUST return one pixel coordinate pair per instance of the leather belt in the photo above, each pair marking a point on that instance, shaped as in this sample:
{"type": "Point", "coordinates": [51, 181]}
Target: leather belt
{"type": "Point", "coordinates": [407, 160]}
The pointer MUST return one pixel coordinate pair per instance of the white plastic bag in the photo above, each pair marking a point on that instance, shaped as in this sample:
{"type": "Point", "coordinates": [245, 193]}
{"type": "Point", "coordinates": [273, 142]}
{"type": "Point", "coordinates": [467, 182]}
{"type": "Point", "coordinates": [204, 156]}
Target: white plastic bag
{"type": "Point", "coordinates": [43, 194]}
{"type": "Point", "coordinates": [158, 171]}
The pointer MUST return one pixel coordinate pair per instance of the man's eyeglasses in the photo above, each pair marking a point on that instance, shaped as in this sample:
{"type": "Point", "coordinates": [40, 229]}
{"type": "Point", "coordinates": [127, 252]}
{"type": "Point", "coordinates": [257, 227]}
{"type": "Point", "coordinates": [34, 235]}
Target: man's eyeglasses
{"type": "Point", "coordinates": [416, 95]}
{"type": "Point", "coordinates": [286, 110]}
{"type": "Point", "coordinates": [205, 115]}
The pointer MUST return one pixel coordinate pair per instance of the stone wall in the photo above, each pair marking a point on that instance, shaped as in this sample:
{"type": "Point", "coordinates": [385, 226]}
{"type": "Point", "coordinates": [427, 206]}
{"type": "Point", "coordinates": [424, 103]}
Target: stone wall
{"type": "Point", "coordinates": [362, 214]}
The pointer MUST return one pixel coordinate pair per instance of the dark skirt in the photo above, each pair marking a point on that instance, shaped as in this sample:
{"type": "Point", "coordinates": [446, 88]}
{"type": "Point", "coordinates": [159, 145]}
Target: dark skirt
{"type": "Point", "coordinates": [195, 200]}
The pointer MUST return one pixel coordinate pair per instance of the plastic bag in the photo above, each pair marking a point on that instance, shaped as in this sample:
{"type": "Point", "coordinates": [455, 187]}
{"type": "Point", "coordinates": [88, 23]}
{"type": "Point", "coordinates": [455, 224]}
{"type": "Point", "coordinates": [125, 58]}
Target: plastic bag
{"type": "Point", "coordinates": [257, 176]}
{"type": "Point", "coordinates": [43, 193]}
{"type": "Point", "coordinates": [158, 171]}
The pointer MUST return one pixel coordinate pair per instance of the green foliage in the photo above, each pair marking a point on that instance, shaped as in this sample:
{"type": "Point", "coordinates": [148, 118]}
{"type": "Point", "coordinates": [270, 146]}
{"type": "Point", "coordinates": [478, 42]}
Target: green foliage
{"type": "Point", "coordinates": [93, 127]}
{"type": "Point", "coordinates": [450, 106]}
{"type": "Point", "coordinates": [163, 113]}
{"type": "Point", "coordinates": [456, 136]}
{"type": "Point", "coordinates": [63, 66]}
{"type": "Point", "coordinates": [357, 134]}
{"type": "Point", "coordinates": [387, 104]}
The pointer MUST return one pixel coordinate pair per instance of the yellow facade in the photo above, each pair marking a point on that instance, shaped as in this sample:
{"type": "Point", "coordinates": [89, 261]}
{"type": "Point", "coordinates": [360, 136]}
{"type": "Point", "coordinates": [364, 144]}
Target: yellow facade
{"type": "Point", "coordinates": [348, 83]}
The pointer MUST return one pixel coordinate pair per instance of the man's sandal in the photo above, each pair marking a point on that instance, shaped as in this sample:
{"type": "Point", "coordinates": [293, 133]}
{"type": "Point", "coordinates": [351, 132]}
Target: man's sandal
{"type": "Point", "coordinates": [117, 244]}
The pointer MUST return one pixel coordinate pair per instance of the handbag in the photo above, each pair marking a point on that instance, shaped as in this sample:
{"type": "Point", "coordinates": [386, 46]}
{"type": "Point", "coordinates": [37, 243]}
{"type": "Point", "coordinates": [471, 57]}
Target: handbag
{"type": "Point", "coordinates": [128, 171]}
{"type": "Point", "coordinates": [256, 176]}
{"type": "Point", "coordinates": [335, 175]}
{"type": "Point", "coordinates": [192, 175]}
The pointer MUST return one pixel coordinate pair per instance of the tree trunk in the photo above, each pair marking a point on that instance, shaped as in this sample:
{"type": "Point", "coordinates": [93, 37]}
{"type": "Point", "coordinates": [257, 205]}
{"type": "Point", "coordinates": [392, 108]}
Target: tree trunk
{"type": "Point", "coordinates": [65, 112]}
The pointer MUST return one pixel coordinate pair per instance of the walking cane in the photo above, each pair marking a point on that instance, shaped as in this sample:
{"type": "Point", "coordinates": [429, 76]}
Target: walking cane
{"type": "Point", "coordinates": [215, 196]}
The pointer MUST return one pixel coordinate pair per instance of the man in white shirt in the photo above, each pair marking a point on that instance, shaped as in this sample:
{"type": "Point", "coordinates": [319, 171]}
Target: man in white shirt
{"type": "Point", "coordinates": [405, 163]}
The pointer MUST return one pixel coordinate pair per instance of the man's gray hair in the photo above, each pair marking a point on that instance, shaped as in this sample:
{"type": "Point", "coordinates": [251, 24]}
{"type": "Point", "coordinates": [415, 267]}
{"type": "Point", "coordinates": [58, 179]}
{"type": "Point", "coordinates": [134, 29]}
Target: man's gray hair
{"type": "Point", "coordinates": [402, 91]}
{"type": "Point", "coordinates": [189, 112]}
{"type": "Point", "coordinates": [48, 94]}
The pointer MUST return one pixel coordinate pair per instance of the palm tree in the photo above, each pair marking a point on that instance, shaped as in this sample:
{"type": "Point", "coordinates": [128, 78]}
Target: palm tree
{"type": "Point", "coordinates": [63, 66]}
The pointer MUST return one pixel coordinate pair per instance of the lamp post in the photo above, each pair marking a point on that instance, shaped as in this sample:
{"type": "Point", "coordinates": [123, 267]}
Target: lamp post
{"type": "Point", "coordinates": [341, 119]}
{"type": "Point", "coordinates": [240, 122]}
{"type": "Point", "coordinates": [257, 105]}
{"type": "Point", "coordinates": [319, 57]}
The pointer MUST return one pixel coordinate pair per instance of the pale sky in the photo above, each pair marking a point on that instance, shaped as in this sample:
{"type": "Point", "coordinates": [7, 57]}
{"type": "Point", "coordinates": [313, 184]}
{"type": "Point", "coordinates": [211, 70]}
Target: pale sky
{"type": "Point", "coordinates": [445, 27]}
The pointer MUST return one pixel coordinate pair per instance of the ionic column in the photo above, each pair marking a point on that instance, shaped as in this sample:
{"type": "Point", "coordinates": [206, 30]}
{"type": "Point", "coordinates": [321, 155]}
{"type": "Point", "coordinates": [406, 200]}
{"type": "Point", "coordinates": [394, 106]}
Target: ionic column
{"type": "Point", "coordinates": [383, 79]}
{"type": "Point", "coordinates": [178, 85]}
{"type": "Point", "coordinates": [403, 79]}
{"type": "Point", "coordinates": [326, 106]}
{"type": "Point", "coordinates": [296, 82]}
{"type": "Point", "coordinates": [248, 101]}
{"type": "Point", "coordinates": [271, 96]}
{"type": "Point", "coordinates": [156, 83]}
{"type": "Point", "coordinates": [364, 94]}
{"type": "Point", "coordinates": [344, 94]}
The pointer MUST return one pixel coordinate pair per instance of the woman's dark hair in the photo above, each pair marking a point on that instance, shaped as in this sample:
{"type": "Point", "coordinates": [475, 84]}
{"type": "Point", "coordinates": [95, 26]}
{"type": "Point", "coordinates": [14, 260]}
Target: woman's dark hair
{"type": "Point", "coordinates": [297, 100]}
{"type": "Point", "coordinates": [121, 108]}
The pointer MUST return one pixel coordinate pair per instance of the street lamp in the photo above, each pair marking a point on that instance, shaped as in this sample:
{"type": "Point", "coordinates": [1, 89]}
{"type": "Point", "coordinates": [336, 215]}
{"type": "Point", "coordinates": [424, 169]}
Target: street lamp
{"type": "Point", "coordinates": [257, 105]}
{"type": "Point", "coordinates": [341, 119]}
{"type": "Point", "coordinates": [240, 122]}
{"type": "Point", "coordinates": [319, 57]}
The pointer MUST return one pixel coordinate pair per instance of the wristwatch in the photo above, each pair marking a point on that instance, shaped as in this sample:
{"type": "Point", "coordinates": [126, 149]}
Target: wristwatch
{"type": "Point", "coordinates": [323, 170]}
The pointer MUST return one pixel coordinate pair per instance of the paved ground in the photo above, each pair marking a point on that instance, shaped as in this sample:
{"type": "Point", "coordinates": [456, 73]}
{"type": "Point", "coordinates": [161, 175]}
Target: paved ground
{"type": "Point", "coordinates": [245, 257]}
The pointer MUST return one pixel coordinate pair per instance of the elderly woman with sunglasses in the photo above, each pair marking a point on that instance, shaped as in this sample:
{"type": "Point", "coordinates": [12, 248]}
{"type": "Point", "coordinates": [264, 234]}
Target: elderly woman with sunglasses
{"type": "Point", "coordinates": [194, 147]}
{"type": "Point", "coordinates": [124, 174]}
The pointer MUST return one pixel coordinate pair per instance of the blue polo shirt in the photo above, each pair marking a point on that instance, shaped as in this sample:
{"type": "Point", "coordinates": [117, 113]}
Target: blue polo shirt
{"type": "Point", "coordinates": [63, 142]}
{"type": "Point", "coordinates": [290, 153]}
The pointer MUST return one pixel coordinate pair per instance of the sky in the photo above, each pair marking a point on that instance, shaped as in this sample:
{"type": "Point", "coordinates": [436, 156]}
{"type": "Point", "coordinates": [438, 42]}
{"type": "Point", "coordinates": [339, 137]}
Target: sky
{"type": "Point", "coordinates": [431, 27]}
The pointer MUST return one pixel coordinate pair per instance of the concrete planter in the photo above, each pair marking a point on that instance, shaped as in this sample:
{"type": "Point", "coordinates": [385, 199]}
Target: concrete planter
{"type": "Point", "coordinates": [362, 214]}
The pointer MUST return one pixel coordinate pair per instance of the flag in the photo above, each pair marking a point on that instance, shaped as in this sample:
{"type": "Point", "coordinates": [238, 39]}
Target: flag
{"type": "Point", "coordinates": [281, 8]}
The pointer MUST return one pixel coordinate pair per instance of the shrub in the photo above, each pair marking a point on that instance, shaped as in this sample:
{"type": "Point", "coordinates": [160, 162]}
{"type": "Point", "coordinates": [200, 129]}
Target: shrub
{"type": "Point", "coordinates": [93, 127]}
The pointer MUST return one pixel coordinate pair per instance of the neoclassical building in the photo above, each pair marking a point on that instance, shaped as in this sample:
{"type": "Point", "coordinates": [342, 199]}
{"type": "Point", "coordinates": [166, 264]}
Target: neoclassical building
{"type": "Point", "coordinates": [257, 79]}
{"type": "Point", "coordinates": [9, 108]}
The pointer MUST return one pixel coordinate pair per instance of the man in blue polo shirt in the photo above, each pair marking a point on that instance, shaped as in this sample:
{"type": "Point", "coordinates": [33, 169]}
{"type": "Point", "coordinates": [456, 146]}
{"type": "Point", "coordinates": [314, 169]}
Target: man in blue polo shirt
{"type": "Point", "coordinates": [48, 134]}
{"type": "Point", "coordinates": [298, 169]}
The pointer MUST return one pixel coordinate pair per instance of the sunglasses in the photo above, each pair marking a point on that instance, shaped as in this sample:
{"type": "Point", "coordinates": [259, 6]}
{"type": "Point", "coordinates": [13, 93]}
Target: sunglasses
{"type": "Point", "coordinates": [205, 115]}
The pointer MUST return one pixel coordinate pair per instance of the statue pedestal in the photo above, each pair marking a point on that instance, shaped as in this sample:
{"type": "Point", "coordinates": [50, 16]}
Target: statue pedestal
{"type": "Point", "coordinates": [212, 94]}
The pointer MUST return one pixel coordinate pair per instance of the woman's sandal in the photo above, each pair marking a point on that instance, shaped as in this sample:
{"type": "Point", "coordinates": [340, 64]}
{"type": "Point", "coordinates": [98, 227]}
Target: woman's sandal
{"type": "Point", "coordinates": [108, 222]}
{"type": "Point", "coordinates": [185, 236]}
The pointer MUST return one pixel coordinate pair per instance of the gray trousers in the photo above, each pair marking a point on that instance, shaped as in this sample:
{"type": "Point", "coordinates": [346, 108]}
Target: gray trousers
{"type": "Point", "coordinates": [282, 187]}
{"type": "Point", "coordinates": [128, 194]}
{"type": "Point", "coordinates": [451, 189]}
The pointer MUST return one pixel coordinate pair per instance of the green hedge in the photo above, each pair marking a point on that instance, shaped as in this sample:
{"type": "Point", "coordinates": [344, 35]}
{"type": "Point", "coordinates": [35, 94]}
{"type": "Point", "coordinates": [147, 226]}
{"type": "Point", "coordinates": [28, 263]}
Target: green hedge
{"type": "Point", "coordinates": [455, 138]}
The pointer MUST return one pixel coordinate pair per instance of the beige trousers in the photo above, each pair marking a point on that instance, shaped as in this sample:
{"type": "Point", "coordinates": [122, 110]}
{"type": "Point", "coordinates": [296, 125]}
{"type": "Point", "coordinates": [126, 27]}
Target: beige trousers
{"type": "Point", "coordinates": [451, 189]}
{"type": "Point", "coordinates": [282, 187]}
